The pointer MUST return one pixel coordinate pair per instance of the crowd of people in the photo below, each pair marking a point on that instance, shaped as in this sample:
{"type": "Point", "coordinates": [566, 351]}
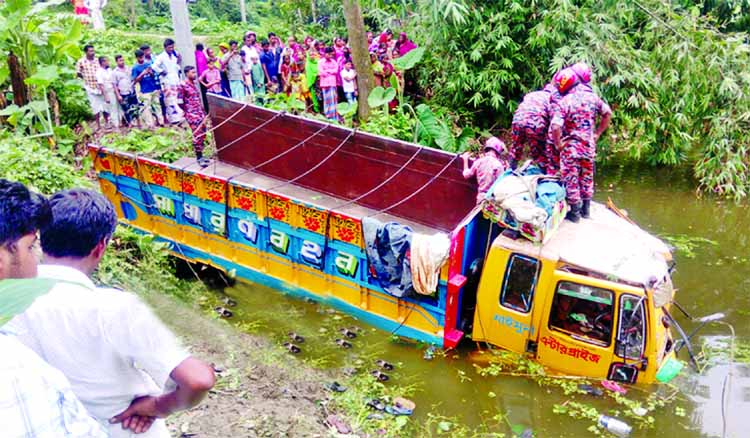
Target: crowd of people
{"type": "Point", "coordinates": [556, 128]}
{"type": "Point", "coordinates": [158, 90]}
{"type": "Point", "coordinates": [70, 366]}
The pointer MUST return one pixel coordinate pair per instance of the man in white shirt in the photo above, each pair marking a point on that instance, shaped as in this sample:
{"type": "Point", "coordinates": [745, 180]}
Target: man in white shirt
{"type": "Point", "coordinates": [123, 364]}
{"type": "Point", "coordinates": [250, 49]}
{"type": "Point", "coordinates": [167, 67]}
{"type": "Point", "coordinates": [36, 400]}
{"type": "Point", "coordinates": [105, 79]}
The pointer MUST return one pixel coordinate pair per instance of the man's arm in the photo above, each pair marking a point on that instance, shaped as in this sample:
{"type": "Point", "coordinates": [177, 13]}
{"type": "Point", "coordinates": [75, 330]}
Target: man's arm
{"type": "Point", "coordinates": [604, 123]}
{"type": "Point", "coordinates": [468, 171]}
{"type": "Point", "coordinates": [146, 341]}
{"type": "Point", "coordinates": [194, 379]}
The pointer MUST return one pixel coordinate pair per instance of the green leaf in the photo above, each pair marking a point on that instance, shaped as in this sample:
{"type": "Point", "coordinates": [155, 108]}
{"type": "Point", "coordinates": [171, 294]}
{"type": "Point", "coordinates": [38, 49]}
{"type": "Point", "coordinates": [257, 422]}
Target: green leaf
{"type": "Point", "coordinates": [44, 76]}
{"type": "Point", "coordinates": [411, 59]}
{"type": "Point", "coordinates": [380, 96]}
{"type": "Point", "coordinates": [4, 73]}
{"type": "Point", "coordinates": [444, 426]}
{"type": "Point", "coordinates": [17, 295]}
{"type": "Point", "coordinates": [517, 429]}
{"type": "Point", "coordinates": [9, 110]}
{"type": "Point", "coordinates": [433, 128]}
{"type": "Point", "coordinates": [37, 106]}
{"type": "Point", "coordinates": [346, 109]}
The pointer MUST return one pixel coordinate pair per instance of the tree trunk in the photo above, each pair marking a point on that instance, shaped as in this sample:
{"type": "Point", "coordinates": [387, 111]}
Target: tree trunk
{"type": "Point", "coordinates": [243, 11]}
{"type": "Point", "coordinates": [17, 76]}
{"type": "Point", "coordinates": [132, 14]}
{"type": "Point", "coordinates": [313, 11]}
{"type": "Point", "coordinates": [355, 25]}
{"type": "Point", "coordinates": [54, 104]}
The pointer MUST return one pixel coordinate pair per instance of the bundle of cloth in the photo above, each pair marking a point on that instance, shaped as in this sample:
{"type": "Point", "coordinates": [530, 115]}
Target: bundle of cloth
{"type": "Point", "coordinates": [404, 262]}
{"type": "Point", "coordinates": [524, 196]}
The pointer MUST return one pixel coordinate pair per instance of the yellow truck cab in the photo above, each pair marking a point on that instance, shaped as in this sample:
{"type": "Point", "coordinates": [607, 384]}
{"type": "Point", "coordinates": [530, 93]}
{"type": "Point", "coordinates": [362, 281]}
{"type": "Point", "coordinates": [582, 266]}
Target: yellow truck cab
{"type": "Point", "coordinates": [590, 301]}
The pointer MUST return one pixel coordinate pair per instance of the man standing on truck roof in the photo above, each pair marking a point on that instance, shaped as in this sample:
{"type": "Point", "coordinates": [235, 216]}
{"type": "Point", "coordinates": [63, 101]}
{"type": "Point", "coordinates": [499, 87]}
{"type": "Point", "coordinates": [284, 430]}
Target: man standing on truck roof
{"type": "Point", "coordinates": [529, 127]}
{"type": "Point", "coordinates": [36, 400]}
{"type": "Point", "coordinates": [124, 365]}
{"type": "Point", "coordinates": [574, 133]}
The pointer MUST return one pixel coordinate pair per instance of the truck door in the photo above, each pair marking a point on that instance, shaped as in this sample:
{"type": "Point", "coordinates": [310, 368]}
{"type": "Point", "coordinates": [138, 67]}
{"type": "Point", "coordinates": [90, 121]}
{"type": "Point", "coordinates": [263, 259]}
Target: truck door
{"type": "Point", "coordinates": [576, 334]}
{"type": "Point", "coordinates": [506, 299]}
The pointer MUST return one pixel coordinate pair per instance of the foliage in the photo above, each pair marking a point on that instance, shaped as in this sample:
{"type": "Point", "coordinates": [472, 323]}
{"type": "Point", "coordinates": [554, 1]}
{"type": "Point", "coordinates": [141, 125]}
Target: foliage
{"type": "Point", "coordinates": [397, 125]}
{"type": "Point", "coordinates": [677, 84]}
{"type": "Point", "coordinates": [34, 163]}
{"type": "Point", "coordinates": [138, 263]}
{"type": "Point", "coordinates": [46, 45]}
{"type": "Point", "coordinates": [433, 131]}
{"type": "Point", "coordinates": [631, 408]}
{"type": "Point", "coordinates": [687, 245]}
{"type": "Point", "coordinates": [163, 144]}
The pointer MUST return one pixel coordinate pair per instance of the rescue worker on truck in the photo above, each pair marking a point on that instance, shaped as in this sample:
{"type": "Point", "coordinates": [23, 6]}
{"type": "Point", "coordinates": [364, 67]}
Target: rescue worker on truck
{"type": "Point", "coordinates": [530, 126]}
{"type": "Point", "coordinates": [487, 167]}
{"type": "Point", "coordinates": [575, 136]}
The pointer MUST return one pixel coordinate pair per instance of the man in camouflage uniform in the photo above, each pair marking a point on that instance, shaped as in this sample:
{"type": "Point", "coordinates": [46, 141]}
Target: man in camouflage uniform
{"type": "Point", "coordinates": [552, 155]}
{"type": "Point", "coordinates": [574, 135]}
{"type": "Point", "coordinates": [530, 126]}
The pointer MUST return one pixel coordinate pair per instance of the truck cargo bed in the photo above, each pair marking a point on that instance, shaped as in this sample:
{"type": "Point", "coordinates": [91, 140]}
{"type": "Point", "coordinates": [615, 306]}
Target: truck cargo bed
{"type": "Point", "coordinates": [297, 193]}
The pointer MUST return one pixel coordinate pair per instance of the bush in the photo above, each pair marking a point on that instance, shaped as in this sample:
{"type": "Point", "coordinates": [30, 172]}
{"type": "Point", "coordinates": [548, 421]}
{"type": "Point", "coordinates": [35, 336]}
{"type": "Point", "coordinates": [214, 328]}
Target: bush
{"type": "Point", "coordinates": [35, 164]}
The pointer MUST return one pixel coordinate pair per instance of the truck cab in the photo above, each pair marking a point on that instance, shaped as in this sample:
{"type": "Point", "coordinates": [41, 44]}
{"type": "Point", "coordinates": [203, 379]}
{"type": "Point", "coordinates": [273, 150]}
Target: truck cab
{"type": "Point", "coordinates": [587, 302]}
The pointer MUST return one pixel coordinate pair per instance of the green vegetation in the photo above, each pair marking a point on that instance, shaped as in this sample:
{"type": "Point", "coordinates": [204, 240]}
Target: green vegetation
{"type": "Point", "coordinates": [163, 144]}
{"type": "Point", "coordinates": [637, 409]}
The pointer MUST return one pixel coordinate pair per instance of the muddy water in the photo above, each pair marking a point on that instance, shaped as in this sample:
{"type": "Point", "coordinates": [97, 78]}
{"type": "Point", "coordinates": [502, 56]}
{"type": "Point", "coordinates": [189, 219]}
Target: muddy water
{"type": "Point", "coordinates": [715, 278]}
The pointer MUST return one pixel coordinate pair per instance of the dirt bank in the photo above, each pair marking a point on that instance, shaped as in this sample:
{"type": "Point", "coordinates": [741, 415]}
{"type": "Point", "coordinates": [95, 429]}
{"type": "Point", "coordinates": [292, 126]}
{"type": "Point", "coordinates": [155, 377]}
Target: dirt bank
{"type": "Point", "coordinates": [261, 391]}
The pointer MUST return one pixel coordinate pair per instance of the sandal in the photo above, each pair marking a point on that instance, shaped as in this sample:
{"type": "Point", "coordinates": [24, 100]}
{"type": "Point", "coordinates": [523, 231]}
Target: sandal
{"type": "Point", "coordinates": [384, 365]}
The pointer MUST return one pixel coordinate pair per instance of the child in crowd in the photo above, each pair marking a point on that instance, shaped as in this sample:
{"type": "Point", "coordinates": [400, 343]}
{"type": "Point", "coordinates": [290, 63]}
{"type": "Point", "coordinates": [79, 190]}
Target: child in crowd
{"type": "Point", "coordinates": [487, 167]}
{"type": "Point", "coordinates": [298, 88]}
{"type": "Point", "coordinates": [211, 79]}
{"type": "Point", "coordinates": [286, 73]}
{"type": "Point", "coordinates": [349, 82]}
{"type": "Point", "coordinates": [257, 78]}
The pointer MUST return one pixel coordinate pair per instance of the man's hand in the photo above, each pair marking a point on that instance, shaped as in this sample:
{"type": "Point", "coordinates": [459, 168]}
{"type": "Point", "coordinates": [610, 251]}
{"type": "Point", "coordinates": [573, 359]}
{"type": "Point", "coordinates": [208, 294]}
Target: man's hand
{"type": "Point", "coordinates": [138, 424]}
{"type": "Point", "coordinates": [140, 415]}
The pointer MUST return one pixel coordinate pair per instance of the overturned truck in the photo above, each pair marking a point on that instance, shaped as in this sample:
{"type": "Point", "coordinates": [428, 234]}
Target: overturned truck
{"type": "Point", "coordinates": [389, 232]}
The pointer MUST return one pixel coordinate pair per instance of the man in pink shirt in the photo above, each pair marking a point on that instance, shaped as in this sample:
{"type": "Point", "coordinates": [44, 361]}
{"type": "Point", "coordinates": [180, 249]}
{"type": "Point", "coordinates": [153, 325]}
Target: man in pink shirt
{"type": "Point", "coordinates": [328, 72]}
{"type": "Point", "coordinates": [487, 167]}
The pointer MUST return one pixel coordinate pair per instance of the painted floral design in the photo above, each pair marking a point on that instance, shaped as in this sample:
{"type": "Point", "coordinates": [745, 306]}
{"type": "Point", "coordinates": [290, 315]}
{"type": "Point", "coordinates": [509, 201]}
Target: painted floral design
{"type": "Point", "coordinates": [345, 234]}
{"type": "Point", "coordinates": [158, 178]}
{"type": "Point", "coordinates": [188, 187]}
{"type": "Point", "coordinates": [215, 195]}
{"type": "Point", "coordinates": [245, 203]}
{"type": "Point", "coordinates": [312, 224]}
{"type": "Point", "coordinates": [106, 165]}
{"type": "Point", "coordinates": [128, 171]}
{"type": "Point", "coordinates": [277, 213]}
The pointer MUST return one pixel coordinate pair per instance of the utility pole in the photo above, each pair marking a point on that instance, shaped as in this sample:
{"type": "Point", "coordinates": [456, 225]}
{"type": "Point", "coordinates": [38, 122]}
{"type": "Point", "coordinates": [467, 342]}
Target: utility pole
{"type": "Point", "coordinates": [243, 13]}
{"type": "Point", "coordinates": [183, 37]}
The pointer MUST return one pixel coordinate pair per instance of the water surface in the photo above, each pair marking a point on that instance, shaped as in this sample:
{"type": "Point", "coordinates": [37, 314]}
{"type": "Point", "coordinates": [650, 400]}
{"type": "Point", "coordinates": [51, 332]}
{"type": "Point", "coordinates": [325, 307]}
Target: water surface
{"type": "Point", "coordinates": [716, 278]}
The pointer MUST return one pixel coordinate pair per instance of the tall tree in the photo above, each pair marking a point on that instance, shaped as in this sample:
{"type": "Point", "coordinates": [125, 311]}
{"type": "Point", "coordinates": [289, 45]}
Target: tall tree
{"type": "Point", "coordinates": [355, 25]}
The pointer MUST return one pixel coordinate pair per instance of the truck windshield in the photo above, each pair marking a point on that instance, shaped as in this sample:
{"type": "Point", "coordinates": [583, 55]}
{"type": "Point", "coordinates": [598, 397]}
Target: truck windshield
{"type": "Point", "coordinates": [518, 286]}
{"type": "Point", "coordinates": [583, 310]}
{"type": "Point", "coordinates": [631, 328]}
